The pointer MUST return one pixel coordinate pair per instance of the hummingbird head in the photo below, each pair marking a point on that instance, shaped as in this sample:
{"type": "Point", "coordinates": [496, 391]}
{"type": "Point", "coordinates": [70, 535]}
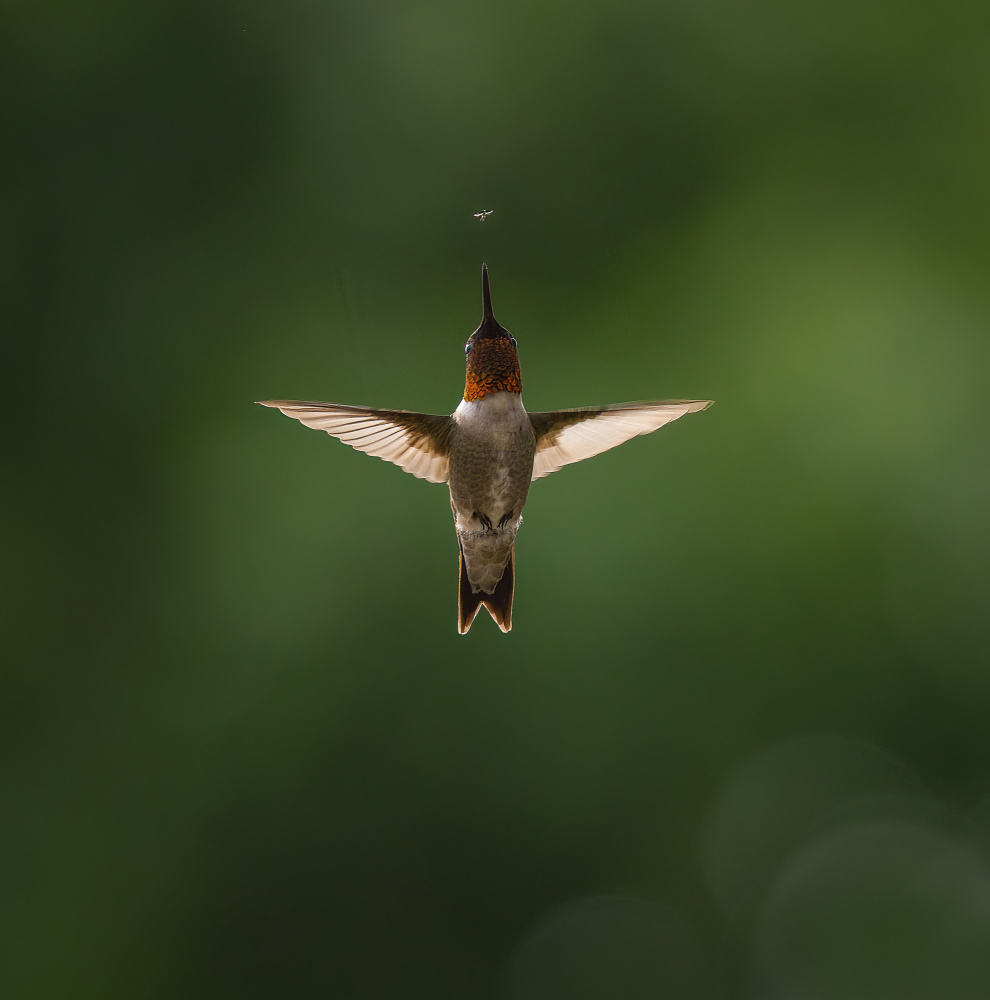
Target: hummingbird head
{"type": "Point", "coordinates": [492, 364]}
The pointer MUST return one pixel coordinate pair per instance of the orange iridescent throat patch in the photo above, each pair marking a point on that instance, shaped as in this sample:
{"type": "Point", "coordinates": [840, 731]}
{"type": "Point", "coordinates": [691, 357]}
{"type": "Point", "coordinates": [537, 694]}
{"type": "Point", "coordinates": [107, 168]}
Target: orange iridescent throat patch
{"type": "Point", "coordinates": [492, 366]}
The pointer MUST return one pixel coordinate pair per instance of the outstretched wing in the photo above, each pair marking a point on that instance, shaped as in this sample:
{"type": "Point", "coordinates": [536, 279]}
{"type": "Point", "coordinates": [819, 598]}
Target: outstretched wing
{"type": "Point", "coordinates": [567, 436]}
{"type": "Point", "coordinates": [416, 442]}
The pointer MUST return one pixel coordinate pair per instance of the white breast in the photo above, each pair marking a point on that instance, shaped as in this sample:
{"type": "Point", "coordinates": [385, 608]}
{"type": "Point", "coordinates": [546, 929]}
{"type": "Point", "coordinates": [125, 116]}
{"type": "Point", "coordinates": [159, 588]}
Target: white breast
{"type": "Point", "coordinates": [500, 413]}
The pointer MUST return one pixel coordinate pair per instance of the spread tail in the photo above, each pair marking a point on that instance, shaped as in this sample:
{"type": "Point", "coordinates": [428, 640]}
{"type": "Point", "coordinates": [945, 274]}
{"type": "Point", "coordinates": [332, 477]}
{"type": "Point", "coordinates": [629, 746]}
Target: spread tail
{"type": "Point", "coordinates": [498, 603]}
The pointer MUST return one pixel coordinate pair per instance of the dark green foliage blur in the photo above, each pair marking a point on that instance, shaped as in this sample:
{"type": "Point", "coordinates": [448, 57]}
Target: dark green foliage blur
{"type": "Point", "coordinates": [737, 744]}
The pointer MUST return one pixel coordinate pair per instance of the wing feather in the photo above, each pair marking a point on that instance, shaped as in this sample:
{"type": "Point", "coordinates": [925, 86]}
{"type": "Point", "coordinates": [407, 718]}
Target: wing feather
{"type": "Point", "coordinates": [567, 436]}
{"type": "Point", "coordinates": [416, 442]}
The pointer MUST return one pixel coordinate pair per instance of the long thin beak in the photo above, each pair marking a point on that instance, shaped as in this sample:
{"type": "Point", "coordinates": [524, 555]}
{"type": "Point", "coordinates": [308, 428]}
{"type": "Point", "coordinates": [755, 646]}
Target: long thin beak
{"type": "Point", "coordinates": [486, 296]}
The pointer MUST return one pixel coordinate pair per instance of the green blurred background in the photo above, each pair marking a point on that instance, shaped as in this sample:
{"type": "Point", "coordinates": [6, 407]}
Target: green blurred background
{"type": "Point", "coordinates": [737, 744]}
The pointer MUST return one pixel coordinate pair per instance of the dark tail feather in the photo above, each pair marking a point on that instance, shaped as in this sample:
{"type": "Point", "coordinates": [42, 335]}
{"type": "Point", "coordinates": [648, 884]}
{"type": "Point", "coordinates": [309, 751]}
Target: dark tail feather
{"type": "Point", "coordinates": [467, 601]}
{"type": "Point", "coordinates": [498, 603]}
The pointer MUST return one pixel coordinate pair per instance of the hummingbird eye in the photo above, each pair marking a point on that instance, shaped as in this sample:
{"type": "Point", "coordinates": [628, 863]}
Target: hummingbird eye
{"type": "Point", "coordinates": [467, 347]}
{"type": "Point", "coordinates": [512, 340]}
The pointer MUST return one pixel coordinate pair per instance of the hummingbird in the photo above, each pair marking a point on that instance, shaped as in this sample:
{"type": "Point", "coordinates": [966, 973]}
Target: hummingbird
{"type": "Point", "coordinates": [487, 451]}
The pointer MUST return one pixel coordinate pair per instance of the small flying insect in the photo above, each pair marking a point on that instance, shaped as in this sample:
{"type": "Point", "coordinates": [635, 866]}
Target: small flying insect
{"type": "Point", "coordinates": [484, 215]}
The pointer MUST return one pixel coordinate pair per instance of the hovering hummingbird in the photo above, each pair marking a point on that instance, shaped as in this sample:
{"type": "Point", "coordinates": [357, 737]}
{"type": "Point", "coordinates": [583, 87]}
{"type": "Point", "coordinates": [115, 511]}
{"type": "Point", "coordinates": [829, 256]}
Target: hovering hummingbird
{"type": "Point", "coordinates": [487, 451]}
